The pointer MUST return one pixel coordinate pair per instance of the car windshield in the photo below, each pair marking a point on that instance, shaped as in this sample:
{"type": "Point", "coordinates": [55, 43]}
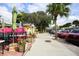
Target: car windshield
{"type": "Point", "coordinates": [64, 31]}
{"type": "Point", "coordinates": [75, 31]}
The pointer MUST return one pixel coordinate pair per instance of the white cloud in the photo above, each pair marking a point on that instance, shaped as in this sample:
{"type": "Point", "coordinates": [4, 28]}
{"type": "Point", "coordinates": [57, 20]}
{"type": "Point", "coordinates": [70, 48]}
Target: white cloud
{"type": "Point", "coordinates": [64, 20]}
{"type": "Point", "coordinates": [32, 8]}
{"type": "Point", "coordinates": [19, 6]}
{"type": "Point", "coordinates": [37, 7]}
{"type": "Point", "coordinates": [5, 14]}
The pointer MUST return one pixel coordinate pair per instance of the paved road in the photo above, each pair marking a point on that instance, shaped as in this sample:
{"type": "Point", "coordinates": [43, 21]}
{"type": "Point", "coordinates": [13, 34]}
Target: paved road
{"type": "Point", "coordinates": [53, 48]}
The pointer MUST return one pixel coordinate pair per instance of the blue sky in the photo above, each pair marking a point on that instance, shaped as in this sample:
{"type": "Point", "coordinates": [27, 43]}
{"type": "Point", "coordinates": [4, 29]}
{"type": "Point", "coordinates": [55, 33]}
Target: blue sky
{"type": "Point", "coordinates": [6, 9]}
{"type": "Point", "coordinates": [74, 9]}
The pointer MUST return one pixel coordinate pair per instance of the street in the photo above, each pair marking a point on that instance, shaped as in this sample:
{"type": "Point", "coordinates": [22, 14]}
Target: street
{"type": "Point", "coordinates": [46, 46]}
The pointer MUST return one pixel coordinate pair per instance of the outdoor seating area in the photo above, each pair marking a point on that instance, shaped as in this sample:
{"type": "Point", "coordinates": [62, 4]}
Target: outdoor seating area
{"type": "Point", "coordinates": [14, 41]}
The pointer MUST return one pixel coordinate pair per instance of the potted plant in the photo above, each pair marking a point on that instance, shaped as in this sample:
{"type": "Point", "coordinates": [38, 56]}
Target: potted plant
{"type": "Point", "coordinates": [12, 47]}
{"type": "Point", "coordinates": [21, 45]}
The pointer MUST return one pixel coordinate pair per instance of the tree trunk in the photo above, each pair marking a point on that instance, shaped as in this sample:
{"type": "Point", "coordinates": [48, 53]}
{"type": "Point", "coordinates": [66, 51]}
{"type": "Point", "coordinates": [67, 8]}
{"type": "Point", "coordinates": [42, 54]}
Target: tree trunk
{"type": "Point", "coordinates": [55, 18]}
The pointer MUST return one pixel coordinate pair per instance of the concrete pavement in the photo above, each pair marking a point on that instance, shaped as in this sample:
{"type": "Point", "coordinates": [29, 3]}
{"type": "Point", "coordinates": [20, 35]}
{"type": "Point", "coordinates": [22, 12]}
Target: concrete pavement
{"type": "Point", "coordinates": [53, 48]}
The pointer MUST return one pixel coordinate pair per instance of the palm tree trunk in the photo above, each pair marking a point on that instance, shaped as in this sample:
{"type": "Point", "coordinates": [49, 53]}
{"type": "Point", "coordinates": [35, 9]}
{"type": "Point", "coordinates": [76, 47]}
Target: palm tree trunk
{"type": "Point", "coordinates": [55, 18]}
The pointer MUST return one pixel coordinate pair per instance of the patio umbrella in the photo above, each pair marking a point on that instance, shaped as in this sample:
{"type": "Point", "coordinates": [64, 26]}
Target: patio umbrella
{"type": "Point", "coordinates": [6, 33]}
{"type": "Point", "coordinates": [14, 16]}
{"type": "Point", "coordinates": [20, 30]}
{"type": "Point", "coordinates": [7, 30]}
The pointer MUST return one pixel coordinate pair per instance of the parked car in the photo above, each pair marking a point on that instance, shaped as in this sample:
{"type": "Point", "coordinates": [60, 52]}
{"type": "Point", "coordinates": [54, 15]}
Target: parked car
{"type": "Point", "coordinates": [63, 34]}
{"type": "Point", "coordinates": [73, 35]}
{"type": "Point", "coordinates": [69, 34]}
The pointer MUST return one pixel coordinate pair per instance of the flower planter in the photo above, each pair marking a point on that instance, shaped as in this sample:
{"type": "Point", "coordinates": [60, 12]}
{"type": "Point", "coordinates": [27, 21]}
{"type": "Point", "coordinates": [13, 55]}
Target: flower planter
{"type": "Point", "coordinates": [12, 47]}
{"type": "Point", "coordinates": [21, 45]}
{"type": "Point", "coordinates": [17, 49]}
{"type": "Point", "coordinates": [21, 48]}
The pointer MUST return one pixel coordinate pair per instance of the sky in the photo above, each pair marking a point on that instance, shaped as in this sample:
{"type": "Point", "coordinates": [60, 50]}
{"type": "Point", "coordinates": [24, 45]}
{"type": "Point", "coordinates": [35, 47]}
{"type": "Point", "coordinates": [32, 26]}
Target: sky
{"type": "Point", "coordinates": [6, 11]}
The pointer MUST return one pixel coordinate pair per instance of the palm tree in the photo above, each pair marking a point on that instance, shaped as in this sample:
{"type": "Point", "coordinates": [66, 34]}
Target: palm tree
{"type": "Point", "coordinates": [58, 9]}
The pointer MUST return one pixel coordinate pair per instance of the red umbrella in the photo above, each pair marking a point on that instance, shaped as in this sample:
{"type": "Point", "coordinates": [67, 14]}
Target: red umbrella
{"type": "Point", "coordinates": [7, 30]}
{"type": "Point", "coordinates": [19, 30]}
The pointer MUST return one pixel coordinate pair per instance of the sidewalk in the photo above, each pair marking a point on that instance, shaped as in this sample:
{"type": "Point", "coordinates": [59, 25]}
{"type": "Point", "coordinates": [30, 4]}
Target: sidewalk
{"type": "Point", "coordinates": [53, 48]}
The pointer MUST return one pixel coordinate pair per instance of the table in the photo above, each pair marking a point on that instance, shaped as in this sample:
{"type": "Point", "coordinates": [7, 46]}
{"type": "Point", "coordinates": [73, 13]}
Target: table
{"type": "Point", "coordinates": [20, 35]}
{"type": "Point", "coordinates": [2, 44]}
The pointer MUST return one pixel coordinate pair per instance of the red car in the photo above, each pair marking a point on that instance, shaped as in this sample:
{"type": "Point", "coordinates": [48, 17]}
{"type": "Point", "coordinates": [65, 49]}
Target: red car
{"type": "Point", "coordinates": [63, 34]}
{"type": "Point", "coordinates": [73, 36]}
{"type": "Point", "coordinates": [69, 35]}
